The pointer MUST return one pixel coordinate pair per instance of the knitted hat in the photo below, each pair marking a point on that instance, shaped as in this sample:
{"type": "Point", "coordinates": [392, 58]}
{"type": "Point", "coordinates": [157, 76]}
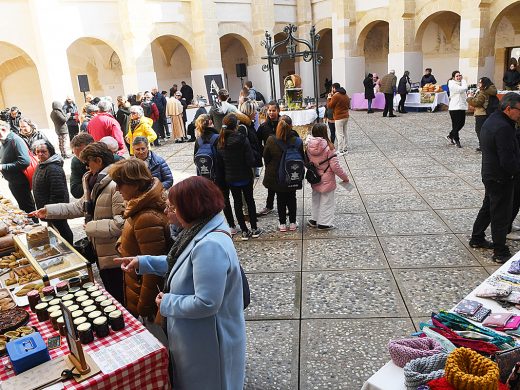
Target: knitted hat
{"type": "Point", "coordinates": [405, 350]}
{"type": "Point", "coordinates": [467, 370]}
{"type": "Point", "coordinates": [421, 371]}
{"type": "Point", "coordinates": [443, 384]}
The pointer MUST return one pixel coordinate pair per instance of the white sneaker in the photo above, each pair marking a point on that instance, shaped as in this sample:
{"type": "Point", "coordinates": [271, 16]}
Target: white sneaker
{"type": "Point", "coordinates": [513, 236]}
{"type": "Point", "coordinates": [293, 227]}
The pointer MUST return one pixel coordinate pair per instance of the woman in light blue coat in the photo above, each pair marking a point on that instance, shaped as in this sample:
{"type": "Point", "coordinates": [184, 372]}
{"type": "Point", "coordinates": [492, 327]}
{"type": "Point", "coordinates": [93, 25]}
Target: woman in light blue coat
{"type": "Point", "coordinates": [203, 302]}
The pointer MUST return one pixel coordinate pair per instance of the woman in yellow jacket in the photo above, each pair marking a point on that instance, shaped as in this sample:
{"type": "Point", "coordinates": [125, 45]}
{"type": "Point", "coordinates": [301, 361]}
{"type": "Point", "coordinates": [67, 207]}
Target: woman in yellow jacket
{"type": "Point", "coordinates": [139, 126]}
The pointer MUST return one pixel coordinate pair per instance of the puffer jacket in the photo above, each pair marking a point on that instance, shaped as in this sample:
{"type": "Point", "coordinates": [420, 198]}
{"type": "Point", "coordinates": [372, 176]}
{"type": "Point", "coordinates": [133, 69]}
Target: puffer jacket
{"type": "Point", "coordinates": [107, 223]}
{"type": "Point", "coordinates": [481, 99]}
{"type": "Point", "coordinates": [14, 158]}
{"type": "Point", "coordinates": [237, 157]}
{"type": "Point", "coordinates": [247, 128]}
{"type": "Point", "coordinates": [318, 150]}
{"type": "Point", "coordinates": [146, 232]}
{"type": "Point", "coordinates": [143, 129]}
{"type": "Point", "coordinates": [272, 156]}
{"type": "Point", "coordinates": [49, 182]}
{"type": "Point", "coordinates": [160, 169]}
{"type": "Point", "coordinates": [458, 95]}
{"type": "Point", "coordinates": [59, 119]}
{"type": "Point", "coordinates": [388, 83]}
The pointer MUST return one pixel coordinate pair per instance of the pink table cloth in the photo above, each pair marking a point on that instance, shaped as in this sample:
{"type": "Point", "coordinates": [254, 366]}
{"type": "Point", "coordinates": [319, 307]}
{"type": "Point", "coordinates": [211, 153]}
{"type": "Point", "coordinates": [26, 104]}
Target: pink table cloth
{"type": "Point", "coordinates": [358, 101]}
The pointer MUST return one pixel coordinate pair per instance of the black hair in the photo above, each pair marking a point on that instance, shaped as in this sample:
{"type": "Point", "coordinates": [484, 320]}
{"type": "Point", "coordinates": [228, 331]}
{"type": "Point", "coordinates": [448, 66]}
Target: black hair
{"type": "Point", "coordinates": [486, 82]}
{"type": "Point", "coordinates": [336, 85]}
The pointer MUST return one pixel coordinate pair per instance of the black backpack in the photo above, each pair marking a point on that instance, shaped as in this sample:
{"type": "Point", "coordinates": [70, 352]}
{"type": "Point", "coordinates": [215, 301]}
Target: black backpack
{"type": "Point", "coordinates": [312, 175]}
{"type": "Point", "coordinates": [147, 109]}
{"type": "Point", "coordinates": [291, 169]}
{"type": "Point", "coordinates": [206, 158]}
{"type": "Point", "coordinates": [492, 104]}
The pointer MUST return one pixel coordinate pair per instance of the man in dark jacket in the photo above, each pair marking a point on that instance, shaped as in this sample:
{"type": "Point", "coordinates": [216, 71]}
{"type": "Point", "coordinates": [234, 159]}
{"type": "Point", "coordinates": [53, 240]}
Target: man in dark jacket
{"type": "Point", "coordinates": [14, 119]}
{"type": "Point", "coordinates": [500, 166]}
{"type": "Point", "coordinates": [187, 92]}
{"type": "Point", "coordinates": [511, 78]}
{"type": "Point", "coordinates": [71, 111]}
{"type": "Point", "coordinates": [402, 89]}
{"type": "Point", "coordinates": [388, 87]}
{"type": "Point", "coordinates": [162, 124]}
{"type": "Point", "coordinates": [77, 168]}
{"type": "Point", "coordinates": [157, 165]}
{"type": "Point", "coordinates": [368, 83]}
{"type": "Point", "coordinates": [428, 78]}
{"type": "Point", "coordinates": [14, 159]}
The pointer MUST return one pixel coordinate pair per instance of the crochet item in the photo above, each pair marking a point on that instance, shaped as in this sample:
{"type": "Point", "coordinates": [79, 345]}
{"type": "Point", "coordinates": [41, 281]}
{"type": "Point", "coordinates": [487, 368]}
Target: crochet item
{"type": "Point", "coordinates": [405, 350]}
{"type": "Point", "coordinates": [443, 384]}
{"type": "Point", "coordinates": [467, 370]}
{"type": "Point", "coordinates": [421, 371]}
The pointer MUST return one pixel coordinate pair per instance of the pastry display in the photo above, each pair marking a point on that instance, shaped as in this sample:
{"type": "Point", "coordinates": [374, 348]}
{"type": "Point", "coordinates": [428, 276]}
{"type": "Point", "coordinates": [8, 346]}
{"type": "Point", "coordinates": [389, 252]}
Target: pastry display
{"type": "Point", "coordinates": [12, 319]}
{"type": "Point", "coordinates": [15, 219]}
{"type": "Point", "coordinates": [22, 275]}
{"type": "Point", "coordinates": [6, 301]}
{"type": "Point", "coordinates": [431, 88]}
{"type": "Point", "coordinates": [44, 252]}
{"type": "Point", "coordinates": [28, 287]}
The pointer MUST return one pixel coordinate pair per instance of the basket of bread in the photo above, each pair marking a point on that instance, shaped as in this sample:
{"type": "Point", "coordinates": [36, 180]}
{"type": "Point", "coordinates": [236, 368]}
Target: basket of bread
{"type": "Point", "coordinates": [431, 88]}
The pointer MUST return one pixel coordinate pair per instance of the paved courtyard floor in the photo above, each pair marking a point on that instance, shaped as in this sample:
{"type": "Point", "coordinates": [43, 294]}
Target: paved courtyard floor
{"type": "Point", "coordinates": [325, 304]}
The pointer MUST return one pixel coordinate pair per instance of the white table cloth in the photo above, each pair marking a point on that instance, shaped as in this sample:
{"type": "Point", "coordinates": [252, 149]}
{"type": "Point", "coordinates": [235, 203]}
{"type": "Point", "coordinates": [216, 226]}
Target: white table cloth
{"type": "Point", "coordinates": [391, 377]}
{"type": "Point", "coordinates": [413, 99]}
{"type": "Point", "coordinates": [304, 117]}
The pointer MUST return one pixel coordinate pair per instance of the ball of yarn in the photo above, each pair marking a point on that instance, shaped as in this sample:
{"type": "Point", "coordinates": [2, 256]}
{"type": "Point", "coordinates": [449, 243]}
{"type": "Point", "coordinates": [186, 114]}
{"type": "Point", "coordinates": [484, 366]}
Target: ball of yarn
{"type": "Point", "coordinates": [422, 370]}
{"type": "Point", "coordinates": [405, 350]}
{"type": "Point", "coordinates": [467, 370]}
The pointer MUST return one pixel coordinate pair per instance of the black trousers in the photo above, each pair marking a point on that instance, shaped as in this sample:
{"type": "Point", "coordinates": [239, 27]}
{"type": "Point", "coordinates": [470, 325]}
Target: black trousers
{"type": "Point", "coordinates": [332, 127]}
{"type": "Point", "coordinates": [162, 126]}
{"type": "Point", "coordinates": [112, 279]}
{"type": "Point", "coordinates": [63, 228]}
{"type": "Point", "coordinates": [284, 201]}
{"type": "Point", "coordinates": [228, 211]}
{"type": "Point", "coordinates": [496, 210]}
{"type": "Point", "coordinates": [479, 121]}
{"type": "Point", "coordinates": [389, 104]}
{"type": "Point", "coordinates": [73, 130]}
{"type": "Point", "coordinates": [247, 191]}
{"type": "Point", "coordinates": [23, 195]}
{"type": "Point", "coordinates": [458, 119]}
{"type": "Point", "coordinates": [400, 106]}
{"type": "Point", "coordinates": [269, 203]}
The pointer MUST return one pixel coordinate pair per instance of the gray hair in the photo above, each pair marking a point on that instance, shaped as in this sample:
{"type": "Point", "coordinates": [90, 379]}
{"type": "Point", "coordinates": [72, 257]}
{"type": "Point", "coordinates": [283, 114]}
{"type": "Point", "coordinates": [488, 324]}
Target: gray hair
{"type": "Point", "coordinates": [510, 99]}
{"type": "Point", "coordinates": [111, 143]}
{"type": "Point", "coordinates": [140, 139]}
{"type": "Point", "coordinates": [248, 107]}
{"type": "Point", "coordinates": [91, 108]}
{"type": "Point", "coordinates": [138, 110]}
{"type": "Point", "coordinates": [29, 123]}
{"type": "Point", "coordinates": [105, 106]}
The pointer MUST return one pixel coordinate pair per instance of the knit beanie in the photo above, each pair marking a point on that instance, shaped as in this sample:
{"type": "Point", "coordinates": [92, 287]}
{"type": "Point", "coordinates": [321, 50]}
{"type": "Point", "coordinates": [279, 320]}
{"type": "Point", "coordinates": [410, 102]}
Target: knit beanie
{"type": "Point", "coordinates": [405, 350]}
{"type": "Point", "coordinates": [422, 370]}
{"type": "Point", "coordinates": [443, 384]}
{"type": "Point", "coordinates": [467, 370]}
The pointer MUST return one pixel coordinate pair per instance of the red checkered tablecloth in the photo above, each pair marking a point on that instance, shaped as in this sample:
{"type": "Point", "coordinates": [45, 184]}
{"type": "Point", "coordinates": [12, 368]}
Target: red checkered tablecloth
{"type": "Point", "coordinates": [148, 372]}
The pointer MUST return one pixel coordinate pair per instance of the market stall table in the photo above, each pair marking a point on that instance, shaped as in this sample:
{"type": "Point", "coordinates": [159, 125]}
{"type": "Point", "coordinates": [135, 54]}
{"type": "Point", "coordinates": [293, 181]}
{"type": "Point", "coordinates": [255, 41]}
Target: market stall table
{"type": "Point", "coordinates": [358, 101]}
{"type": "Point", "coordinates": [148, 370]}
{"type": "Point", "coordinates": [391, 377]}
{"type": "Point", "coordinates": [413, 100]}
{"type": "Point", "coordinates": [304, 117]}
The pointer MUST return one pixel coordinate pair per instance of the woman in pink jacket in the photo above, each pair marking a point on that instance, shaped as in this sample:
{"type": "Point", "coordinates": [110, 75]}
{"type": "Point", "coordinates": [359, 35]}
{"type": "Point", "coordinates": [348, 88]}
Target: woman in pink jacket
{"type": "Point", "coordinates": [320, 152]}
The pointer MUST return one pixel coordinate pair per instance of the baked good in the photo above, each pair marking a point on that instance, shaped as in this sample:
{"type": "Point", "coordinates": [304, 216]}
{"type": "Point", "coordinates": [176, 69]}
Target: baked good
{"type": "Point", "coordinates": [12, 319]}
{"type": "Point", "coordinates": [39, 233]}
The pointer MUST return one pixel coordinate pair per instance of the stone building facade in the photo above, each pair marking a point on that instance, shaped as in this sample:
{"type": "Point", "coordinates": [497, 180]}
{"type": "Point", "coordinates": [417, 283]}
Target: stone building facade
{"type": "Point", "coordinates": [126, 46]}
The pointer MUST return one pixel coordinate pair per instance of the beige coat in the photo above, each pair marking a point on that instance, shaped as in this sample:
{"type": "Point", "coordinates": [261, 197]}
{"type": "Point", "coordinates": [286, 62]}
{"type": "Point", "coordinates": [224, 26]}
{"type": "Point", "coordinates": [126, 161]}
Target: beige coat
{"type": "Point", "coordinates": [174, 110]}
{"type": "Point", "coordinates": [105, 228]}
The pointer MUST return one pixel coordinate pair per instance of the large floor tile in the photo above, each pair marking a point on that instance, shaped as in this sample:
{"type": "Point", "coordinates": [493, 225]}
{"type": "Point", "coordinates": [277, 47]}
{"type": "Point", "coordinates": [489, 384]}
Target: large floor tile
{"type": "Point", "coordinates": [410, 222]}
{"type": "Point", "coordinates": [342, 353]}
{"type": "Point", "coordinates": [346, 225]}
{"type": "Point", "coordinates": [347, 253]}
{"type": "Point", "coordinates": [394, 202]}
{"type": "Point", "coordinates": [425, 171]}
{"type": "Point", "coordinates": [272, 355]}
{"type": "Point", "coordinates": [274, 256]}
{"type": "Point", "coordinates": [453, 199]}
{"type": "Point", "coordinates": [426, 251]}
{"type": "Point", "coordinates": [352, 293]}
{"type": "Point", "coordinates": [443, 183]}
{"type": "Point", "coordinates": [345, 203]}
{"type": "Point", "coordinates": [274, 296]}
{"type": "Point", "coordinates": [459, 220]}
{"type": "Point", "coordinates": [427, 290]}
{"type": "Point", "coordinates": [384, 186]}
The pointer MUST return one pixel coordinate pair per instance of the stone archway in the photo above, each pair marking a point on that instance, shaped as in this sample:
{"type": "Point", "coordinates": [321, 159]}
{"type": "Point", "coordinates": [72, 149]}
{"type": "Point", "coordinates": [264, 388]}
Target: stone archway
{"type": "Point", "coordinates": [374, 39]}
{"type": "Point", "coordinates": [20, 84]}
{"type": "Point", "coordinates": [325, 49]}
{"type": "Point", "coordinates": [171, 62]}
{"type": "Point", "coordinates": [233, 52]}
{"type": "Point", "coordinates": [100, 62]}
{"type": "Point", "coordinates": [505, 40]}
{"type": "Point", "coordinates": [438, 38]}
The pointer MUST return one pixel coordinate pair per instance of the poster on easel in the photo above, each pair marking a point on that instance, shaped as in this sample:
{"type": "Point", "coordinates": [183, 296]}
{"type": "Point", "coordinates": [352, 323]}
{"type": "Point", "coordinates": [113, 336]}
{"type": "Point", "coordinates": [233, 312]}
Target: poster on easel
{"type": "Point", "coordinates": [214, 84]}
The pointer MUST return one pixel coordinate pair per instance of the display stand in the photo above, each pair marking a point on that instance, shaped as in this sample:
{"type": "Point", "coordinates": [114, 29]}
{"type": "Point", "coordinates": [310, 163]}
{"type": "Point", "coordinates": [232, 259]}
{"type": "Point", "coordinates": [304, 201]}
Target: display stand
{"type": "Point", "coordinates": [76, 357]}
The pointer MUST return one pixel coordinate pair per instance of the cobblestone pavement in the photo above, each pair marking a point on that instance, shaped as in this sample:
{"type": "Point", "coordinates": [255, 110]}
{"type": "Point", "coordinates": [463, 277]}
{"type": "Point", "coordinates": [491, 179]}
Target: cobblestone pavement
{"type": "Point", "coordinates": [325, 304]}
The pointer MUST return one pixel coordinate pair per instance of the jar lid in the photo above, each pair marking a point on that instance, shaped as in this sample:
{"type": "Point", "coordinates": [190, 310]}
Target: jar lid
{"type": "Point", "coordinates": [33, 293]}
{"type": "Point", "coordinates": [77, 313]}
{"type": "Point", "coordinates": [41, 306]}
{"type": "Point", "coordinates": [90, 309]}
{"type": "Point", "coordinates": [61, 294]}
{"type": "Point", "coordinates": [82, 298]}
{"type": "Point", "coordinates": [87, 302]}
{"type": "Point", "coordinates": [101, 298]}
{"type": "Point", "coordinates": [68, 303]}
{"type": "Point", "coordinates": [87, 285]}
{"type": "Point", "coordinates": [73, 290]}
{"type": "Point", "coordinates": [92, 288]}
{"type": "Point", "coordinates": [47, 298]}
{"type": "Point", "coordinates": [95, 293]}
{"type": "Point", "coordinates": [50, 309]}
{"type": "Point", "coordinates": [47, 289]}
{"type": "Point", "coordinates": [100, 321]}
{"type": "Point", "coordinates": [80, 293]}
{"type": "Point", "coordinates": [109, 309]}
{"type": "Point", "coordinates": [74, 280]}
{"type": "Point", "coordinates": [56, 313]}
{"type": "Point", "coordinates": [73, 307]}
{"type": "Point", "coordinates": [55, 302]}
{"type": "Point", "coordinates": [95, 314]}
{"type": "Point", "coordinates": [80, 320]}
{"type": "Point", "coordinates": [60, 320]}
{"type": "Point", "coordinates": [62, 284]}
{"type": "Point", "coordinates": [106, 302]}
{"type": "Point", "coordinates": [84, 327]}
{"type": "Point", "coordinates": [115, 314]}
{"type": "Point", "coordinates": [67, 297]}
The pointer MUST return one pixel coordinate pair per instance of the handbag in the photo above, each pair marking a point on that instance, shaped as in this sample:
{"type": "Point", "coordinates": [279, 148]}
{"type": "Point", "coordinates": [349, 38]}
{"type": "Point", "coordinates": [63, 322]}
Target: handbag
{"type": "Point", "coordinates": [31, 168]}
{"type": "Point", "coordinates": [85, 248]}
{"type": "Point", "coordinates": [312, 175]}
{"type": "Point", "coordinates": [506, 361]}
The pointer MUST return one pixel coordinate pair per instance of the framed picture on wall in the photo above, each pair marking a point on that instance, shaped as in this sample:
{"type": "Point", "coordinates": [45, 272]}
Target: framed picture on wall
{"type": "Point", "coordinates": [213, 84]}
